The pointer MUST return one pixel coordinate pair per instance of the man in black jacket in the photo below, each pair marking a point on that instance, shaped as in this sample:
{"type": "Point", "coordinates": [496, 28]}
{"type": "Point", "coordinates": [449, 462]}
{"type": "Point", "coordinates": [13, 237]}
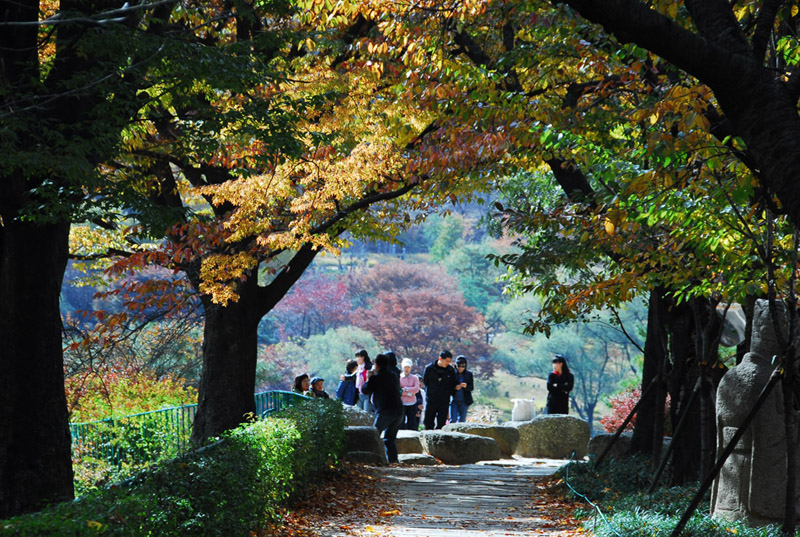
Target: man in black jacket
{"type": "Point", "coordinates": [384, 388]}
{"type": "Point", "coordinates": [440, 384]}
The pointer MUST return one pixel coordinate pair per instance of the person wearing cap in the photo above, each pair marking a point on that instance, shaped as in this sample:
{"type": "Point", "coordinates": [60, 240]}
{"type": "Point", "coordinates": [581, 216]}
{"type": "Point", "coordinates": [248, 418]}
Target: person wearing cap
{"type": "Point", "coordinates": [440, 384]}
{"type": "Point", "coordinates": [559, 384]}
{"type": "Point", "coordinates": [317, 390]}
{"type": "Point", "coordinates": [409, 383]}
{"type": "Point", "coordinates": [462, 397]}
{"type": "Point", "coordinates": [383, 387]}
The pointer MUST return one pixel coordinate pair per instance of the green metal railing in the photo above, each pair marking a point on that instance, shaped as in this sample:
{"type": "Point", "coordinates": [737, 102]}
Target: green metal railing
{"type": "Point", "coordinates": [268, 402]}
{"type": "Point", "coordinates": [148, 436]}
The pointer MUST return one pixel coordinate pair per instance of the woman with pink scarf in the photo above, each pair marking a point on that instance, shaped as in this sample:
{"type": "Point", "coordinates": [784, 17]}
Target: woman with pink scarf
{"type": "Point", "coordinates": [364, 365]}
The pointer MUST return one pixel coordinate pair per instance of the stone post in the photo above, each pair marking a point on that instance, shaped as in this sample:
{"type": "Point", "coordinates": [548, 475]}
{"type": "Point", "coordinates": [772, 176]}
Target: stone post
{"type": "Point", "coordinates": [752, 483]}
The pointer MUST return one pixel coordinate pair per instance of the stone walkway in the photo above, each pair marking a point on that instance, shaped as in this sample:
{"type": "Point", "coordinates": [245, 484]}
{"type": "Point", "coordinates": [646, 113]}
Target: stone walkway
{"type": "Point", "coordinates": [486, 499]}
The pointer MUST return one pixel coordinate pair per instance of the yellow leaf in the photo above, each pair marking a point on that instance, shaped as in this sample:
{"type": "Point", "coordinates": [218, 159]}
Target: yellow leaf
{"type": "Point", "coordinates": [795, 9]}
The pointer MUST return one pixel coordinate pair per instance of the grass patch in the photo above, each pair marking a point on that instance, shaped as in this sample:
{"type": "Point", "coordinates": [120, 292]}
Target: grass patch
{"type": "Point", "coordinates": [234, 486]}
{"type": "Point", "coordinates": [617, 489]}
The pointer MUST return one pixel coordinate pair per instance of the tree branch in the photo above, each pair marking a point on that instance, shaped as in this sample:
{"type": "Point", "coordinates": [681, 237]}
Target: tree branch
{"type": "Point", "coordinates": [764, 25]}
{"type": "Point", "coordinates": [634, 21]}
{"type": "Point", "coordinates": [717, 23]}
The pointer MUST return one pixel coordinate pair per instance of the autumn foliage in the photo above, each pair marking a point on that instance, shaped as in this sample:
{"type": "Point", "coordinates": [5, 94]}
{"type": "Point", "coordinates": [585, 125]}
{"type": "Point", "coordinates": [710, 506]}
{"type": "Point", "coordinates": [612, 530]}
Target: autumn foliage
{"type": "Point", "coordinates": [313, 306]}
{"type": "Point", "coordinates": [109, 392]}
{"type": "Point", "coordinates": [621, 405]}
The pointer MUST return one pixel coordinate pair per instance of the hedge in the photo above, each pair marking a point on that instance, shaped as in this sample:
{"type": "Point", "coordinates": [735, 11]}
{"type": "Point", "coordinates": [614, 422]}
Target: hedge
{"type": "Point", "coordinates": [233, 486]}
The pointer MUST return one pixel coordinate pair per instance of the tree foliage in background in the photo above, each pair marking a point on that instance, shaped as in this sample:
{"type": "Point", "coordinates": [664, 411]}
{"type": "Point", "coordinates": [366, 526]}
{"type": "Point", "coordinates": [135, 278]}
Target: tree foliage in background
{"type": "Point", "coordinates": [313, 306]}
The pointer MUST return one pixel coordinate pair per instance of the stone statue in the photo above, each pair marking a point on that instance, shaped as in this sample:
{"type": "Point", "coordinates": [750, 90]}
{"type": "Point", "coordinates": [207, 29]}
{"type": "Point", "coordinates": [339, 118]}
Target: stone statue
{"type": "Point", "coordinates": [751, 485]}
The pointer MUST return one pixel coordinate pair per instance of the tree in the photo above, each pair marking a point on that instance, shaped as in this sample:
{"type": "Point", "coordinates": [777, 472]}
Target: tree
{"type": "Point", "coordinates": [71, 79]}
{"type": "Point", "coordinates": [417, 311]}
{"type": "Point", "coordinates": [315, 304]}
{"type": "Point", "coordinates": [248, 206]}
{"type": "Point", "coordinates": [654, 180]}
{"type": "Point", "coordinates": [745, 54]}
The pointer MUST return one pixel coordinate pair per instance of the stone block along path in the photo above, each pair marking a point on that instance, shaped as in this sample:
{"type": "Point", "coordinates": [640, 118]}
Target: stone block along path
{"type": "Point", "coordinates": [486, 499]}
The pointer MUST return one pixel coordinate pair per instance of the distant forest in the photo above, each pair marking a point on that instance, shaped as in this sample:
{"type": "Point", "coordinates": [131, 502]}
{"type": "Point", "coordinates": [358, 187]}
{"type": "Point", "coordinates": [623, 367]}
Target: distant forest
{"type": "Point", "coordinates": [433, 289]}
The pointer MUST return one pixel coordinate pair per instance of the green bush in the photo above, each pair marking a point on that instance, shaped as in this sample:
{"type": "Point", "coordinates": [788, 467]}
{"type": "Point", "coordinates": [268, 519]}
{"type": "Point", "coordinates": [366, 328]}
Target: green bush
{"type": "Point", "coordinates": [116, 449]}
{"type": "Point", "coordinates": [618, 489]}
{"type": "Point", "coordinates": [231, 487]}
{"type": "Point", "coordinates": [323, 422]}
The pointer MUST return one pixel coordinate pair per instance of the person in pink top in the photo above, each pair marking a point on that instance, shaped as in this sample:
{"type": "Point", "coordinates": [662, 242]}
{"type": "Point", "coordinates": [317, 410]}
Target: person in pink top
{"type": "Point", "coordinates": [410, 385]}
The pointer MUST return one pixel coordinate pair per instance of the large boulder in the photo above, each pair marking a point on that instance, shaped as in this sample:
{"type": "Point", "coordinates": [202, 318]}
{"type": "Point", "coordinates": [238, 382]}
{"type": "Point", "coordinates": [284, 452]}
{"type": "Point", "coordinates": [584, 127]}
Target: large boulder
{"type": "Point", "coordinates": [365, 439]}
{"type": "Point", "coordinates": [553, 436]}
{"type": "Point", "coordinates": [408, 441]}
{"type": "Point", "coordinates": [365, 457]}
{"type": "Point", "coordinates": [620, 448]}
{"type": "Point", "coordinates": [355, 417]}
{"type": "Point", "coordinates": [419, 459]}
{"type": "Point", "coordinates": [507, 438]}
{"type": "Point", "coordinates": [599, 442]}
{"type": "Point", "coordinates": [459, 448]}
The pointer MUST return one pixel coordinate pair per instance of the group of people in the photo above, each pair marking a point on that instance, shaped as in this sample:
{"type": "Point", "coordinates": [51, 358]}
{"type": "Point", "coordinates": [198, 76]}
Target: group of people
{"type": "Point", "coordinates": [396, 396]}
{"type": "Point", "coordinates": [399, 398]}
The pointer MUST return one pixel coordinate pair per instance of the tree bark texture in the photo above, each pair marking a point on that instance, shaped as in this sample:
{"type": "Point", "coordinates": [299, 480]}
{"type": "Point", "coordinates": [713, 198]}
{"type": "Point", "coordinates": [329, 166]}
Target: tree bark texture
{"type": "Point", "coordinates": [683, 377]}
{"type": "Point", "coordinates": [35, 443]}
{"type": "Point", "coordinates": [228, 379]}
{"type": "Point", "coordinates": [655, 348]}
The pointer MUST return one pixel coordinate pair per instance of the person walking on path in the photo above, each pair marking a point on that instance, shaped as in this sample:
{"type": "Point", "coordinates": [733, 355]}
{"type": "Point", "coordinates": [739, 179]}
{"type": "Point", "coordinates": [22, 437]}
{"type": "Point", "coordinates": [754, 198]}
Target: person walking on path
{"type": "Point", "coordinates": [462, 397]}
{"type": "Point", "coordinates": [410, 386]}
{"type": "Point", "coordinates": [384, 388]}
{"type": "Point", "coordinates": [440, 384]}
{"type": "Point", "coordinates": [559, 384]}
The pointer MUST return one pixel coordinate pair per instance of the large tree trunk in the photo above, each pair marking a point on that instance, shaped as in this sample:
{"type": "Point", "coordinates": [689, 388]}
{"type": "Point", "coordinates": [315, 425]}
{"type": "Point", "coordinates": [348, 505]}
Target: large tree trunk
{"type": "Point", "coordinates": [35, 455]}
{"type": "Point", "coordinates": [655, 348]}
{"type": "Point", "coordinates": [683, 377]}
{"type": "Point", "coordinates": [230, 348]}
{"type": "Point", "coordinates": [230, 352]}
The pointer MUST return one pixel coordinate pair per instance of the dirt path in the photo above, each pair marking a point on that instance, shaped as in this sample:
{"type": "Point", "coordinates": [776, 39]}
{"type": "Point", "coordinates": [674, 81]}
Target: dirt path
{"type": "Point", "coordinates": [484, 500]}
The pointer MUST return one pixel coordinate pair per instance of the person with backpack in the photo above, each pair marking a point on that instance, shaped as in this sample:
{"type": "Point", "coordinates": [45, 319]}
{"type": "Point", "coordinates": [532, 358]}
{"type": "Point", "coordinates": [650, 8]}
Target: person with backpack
{"type": "Point", "coordinates": [346, 392]}
{"type": "Point", "coordinates": [384, 388]}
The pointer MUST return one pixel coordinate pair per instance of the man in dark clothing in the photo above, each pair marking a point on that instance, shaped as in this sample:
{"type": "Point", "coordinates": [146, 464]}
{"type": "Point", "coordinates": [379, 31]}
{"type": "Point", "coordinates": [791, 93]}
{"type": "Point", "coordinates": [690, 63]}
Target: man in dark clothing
{"type": "Point", "coordinates": [393, 363]}
{"type": "Point", "coordinates": [440, 384]}
{"type": "Point", "coordinates": [384, 388]}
